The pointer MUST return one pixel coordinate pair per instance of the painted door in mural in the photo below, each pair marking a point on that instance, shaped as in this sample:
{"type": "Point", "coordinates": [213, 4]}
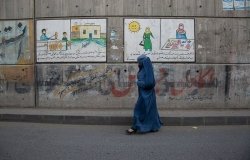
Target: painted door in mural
{"type": "Point", "coordinates": [16, 43]}
{"type": "Point", "coordinates": [72, 40]}
{"type": "Point", "coordinates": [163, 40]}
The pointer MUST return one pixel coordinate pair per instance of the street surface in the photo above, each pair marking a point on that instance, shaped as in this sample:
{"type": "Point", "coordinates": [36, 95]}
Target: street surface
{"type": "Point", "coordinates": [34, 141]}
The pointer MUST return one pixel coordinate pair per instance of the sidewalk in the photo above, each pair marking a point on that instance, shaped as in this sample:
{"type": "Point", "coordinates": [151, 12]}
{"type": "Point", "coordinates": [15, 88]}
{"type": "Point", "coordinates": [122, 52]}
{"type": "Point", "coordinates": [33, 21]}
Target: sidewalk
{"type": "Point", "coordinates": [124, 116]}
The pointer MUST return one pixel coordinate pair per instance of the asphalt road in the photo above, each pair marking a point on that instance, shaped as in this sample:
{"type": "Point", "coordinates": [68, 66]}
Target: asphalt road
{"type": "Point", "coordinates": [33, 141]}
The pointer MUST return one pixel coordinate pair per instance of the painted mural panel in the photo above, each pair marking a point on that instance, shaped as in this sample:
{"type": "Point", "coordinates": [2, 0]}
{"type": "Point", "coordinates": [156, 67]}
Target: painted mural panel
{"type": "Point", "coordinates": [247, 4]}
{"type": "Point", "coordinates": [239, 4]}
{"type": "Point", "coordinates": [236, 4]}
{"type": "Point", "coordinates": [16, 42]}
{"type": "Point", "coordinates": [72, 40]}
{"type": "Point", "coordinates": [163, 40]}
{"type": "Point", "coordinates": [17, 86]}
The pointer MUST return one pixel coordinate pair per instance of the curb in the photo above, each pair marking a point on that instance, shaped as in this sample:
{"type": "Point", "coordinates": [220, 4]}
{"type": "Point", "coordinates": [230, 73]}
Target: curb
{"type": "Point", "coordinates": [119, 120]}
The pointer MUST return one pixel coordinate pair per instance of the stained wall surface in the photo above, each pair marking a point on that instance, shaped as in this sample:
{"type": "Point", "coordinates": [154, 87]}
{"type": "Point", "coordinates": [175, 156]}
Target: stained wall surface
{"type": "Point", "coordinates": [219, 77]}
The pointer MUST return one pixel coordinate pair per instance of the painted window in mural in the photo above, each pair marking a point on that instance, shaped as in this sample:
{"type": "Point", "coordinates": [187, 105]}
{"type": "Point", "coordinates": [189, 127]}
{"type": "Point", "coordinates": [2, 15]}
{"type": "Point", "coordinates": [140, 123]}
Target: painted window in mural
{"type": "Point", "coordinates": [73, 40]}
{"type": "Point", "coordinates": [163, 40]}
{"type": "Point", "coordinates": [16, 43]}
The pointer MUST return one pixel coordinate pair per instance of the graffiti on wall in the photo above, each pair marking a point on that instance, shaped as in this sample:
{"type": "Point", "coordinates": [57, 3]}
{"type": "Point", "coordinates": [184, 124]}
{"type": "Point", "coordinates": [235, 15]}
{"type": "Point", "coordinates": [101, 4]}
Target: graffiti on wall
{"type": "Point", "coordinates": [236, 4]}
{"type": "Point", "coordinates": [18, 79]}
{"type": "Point", "coordinates": [75, 81]}
{"type": "Point", "coordinates": [16, 43]}
{"type": "Point", "coordinates": [72, 40]}
{"type": "Point", "coordinates": [167, 40]}
{"type": "Point", "coordinates": [191, 84]}
{"type": "Point", "coordinates": [239, 80]}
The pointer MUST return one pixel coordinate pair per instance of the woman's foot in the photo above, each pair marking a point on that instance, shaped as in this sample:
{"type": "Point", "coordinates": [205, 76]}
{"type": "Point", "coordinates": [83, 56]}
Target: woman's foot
{"type": "Point", "coordinates": [154, 130]}
{"type": "Point", "coordinates": [131, 131]}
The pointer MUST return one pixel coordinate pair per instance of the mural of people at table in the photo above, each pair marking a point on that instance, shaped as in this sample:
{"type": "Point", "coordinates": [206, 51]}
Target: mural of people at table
{"type": "Point", "coordinates": [180, 32]}
{"type": "Point", "coordinates": [71, 40]}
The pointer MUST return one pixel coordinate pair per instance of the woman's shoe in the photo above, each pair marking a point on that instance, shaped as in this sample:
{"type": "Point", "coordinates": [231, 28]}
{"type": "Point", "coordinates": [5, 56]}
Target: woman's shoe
{"type": "Point", "coordinates": [154, 130]}
{"type": "Point", "coordinates": [130, 131]}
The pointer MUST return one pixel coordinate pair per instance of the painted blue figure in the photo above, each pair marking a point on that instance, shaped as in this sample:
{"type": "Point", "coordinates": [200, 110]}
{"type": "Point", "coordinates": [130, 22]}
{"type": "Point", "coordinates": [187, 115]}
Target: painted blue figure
{"type": "Point", "coordinates": [180, 32]}
{"type": "Point", "coordinates": [146, 117]}
{"type": "Point", "coordinates": [44, 37]}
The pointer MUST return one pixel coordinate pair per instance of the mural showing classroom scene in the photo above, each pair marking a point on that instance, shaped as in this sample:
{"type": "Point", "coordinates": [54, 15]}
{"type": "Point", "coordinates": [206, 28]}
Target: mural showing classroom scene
{"type": "Point", "coordinates": [163, 40]}
{"type": "Point", "coordinates": [16, 42]}
{"type": "Point", "coordinates": [75, 40]}
{"type": "Point", "coordinates": [236, 4]}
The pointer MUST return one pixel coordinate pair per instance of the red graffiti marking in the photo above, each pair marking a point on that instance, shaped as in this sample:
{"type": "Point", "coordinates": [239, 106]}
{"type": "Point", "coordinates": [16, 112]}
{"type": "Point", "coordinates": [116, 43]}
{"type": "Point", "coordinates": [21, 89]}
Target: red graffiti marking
{"type": "Point", "coordinates": [203, 78]}
{"type": "Point", "coordinates": [121, 93]}
{"type": "Point", "coordinates": [163, 75]}
{"type": "Point", "coordinates": [199, 81]}
{"type": "Point", "coordinates": [176, 92]}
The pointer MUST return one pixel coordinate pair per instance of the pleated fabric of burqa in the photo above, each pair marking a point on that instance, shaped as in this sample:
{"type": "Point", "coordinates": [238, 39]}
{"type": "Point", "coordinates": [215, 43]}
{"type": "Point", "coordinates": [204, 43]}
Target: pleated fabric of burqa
{"type": "Point", "coordinates": [146, 117]}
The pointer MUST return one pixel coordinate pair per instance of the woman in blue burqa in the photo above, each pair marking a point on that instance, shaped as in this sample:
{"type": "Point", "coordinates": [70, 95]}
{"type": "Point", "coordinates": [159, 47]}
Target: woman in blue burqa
{"type": "Point", "coordinates": [146, 117]}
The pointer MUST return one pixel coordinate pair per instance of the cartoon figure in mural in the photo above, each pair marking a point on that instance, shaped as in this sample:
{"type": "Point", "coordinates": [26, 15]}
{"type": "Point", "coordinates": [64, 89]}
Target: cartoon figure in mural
{"type": "Point", "coordinates": [147, 39]}
{"type": "Point", "coordinates": [65, 39]}
{"type": "Point", "coordinates": [146, 117]}
{"type": "Point", "coordinates": [44, 37]}
{"type": "Point", "coordinates": [180, 32]}
{"type": "Point", "coordinates": [55, 36]}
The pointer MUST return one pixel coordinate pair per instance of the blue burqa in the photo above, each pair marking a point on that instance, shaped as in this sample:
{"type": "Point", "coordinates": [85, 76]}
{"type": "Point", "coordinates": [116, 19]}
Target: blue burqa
{"type": "Point", "coordinates": [146, 117]}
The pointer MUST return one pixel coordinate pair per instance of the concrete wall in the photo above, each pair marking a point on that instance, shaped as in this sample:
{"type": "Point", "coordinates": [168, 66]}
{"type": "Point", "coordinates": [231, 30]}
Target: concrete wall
{"type": "Point", "coordinates": [219, 78]}
{"type": "Point", "coordinates": [17, 86]}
